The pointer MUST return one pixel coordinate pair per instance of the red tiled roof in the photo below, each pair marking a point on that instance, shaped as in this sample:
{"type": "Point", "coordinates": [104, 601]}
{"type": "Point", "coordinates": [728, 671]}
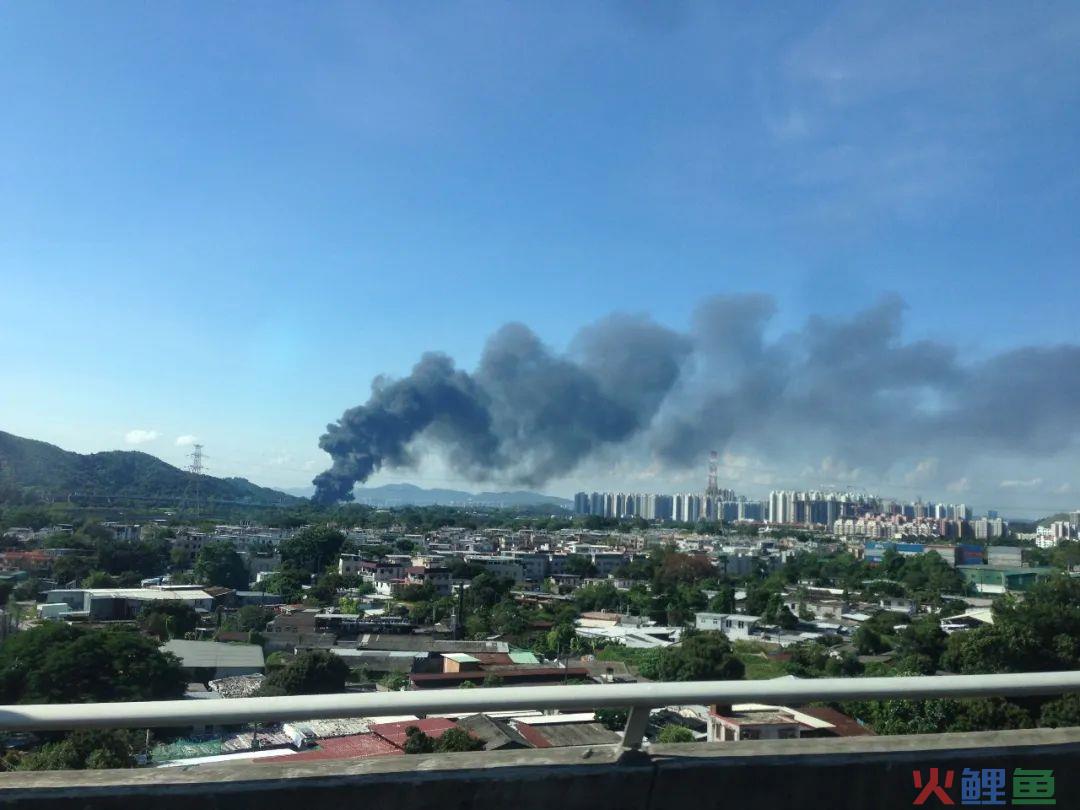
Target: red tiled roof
{"type": "Point", "coordinates": [356, 746]}
{"type": "Point", "coordinates": [532, 736]}
{"type": "Point", "coordinates": [395, 732]}
{"type": "Point", "coordinates": [844, 726]}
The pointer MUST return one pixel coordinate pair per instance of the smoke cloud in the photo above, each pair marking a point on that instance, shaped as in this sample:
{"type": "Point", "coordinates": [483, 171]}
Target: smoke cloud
{"type": "Point", "coordinates": [853, 390]}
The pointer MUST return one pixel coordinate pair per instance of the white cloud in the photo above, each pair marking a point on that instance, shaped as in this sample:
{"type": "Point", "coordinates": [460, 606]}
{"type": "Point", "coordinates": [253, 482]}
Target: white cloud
{"type": "Point", "coordinates": [1029, 483]}
{"type": "Point", "coordinates": [925, 470]}
{"type": "Point", "coordinates": [140, 436]}
{"type": "Point", "coordinates": [1064, 489]}
{"type": "Point", "coordinates": [959, 485]}
{"type": "Point", "coordinates": [186, 440]}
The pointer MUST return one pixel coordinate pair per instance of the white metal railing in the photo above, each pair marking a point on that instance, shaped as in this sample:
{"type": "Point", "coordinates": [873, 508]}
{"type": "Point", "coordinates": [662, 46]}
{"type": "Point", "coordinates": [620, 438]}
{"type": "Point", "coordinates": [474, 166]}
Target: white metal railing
{"type": "Point", "coordinates": [638, 697]}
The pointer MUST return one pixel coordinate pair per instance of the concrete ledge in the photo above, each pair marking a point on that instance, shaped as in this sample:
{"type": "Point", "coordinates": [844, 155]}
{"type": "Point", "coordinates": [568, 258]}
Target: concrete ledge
{"type": "Point", "coordinates": [852, 773]}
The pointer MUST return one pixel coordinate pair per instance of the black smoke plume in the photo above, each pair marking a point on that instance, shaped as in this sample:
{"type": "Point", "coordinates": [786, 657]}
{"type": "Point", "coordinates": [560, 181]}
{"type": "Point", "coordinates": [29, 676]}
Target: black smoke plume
{"type": "Point", "coordinates": [853, 390]}
{"type": "Point", "coordinates": [525, 415]}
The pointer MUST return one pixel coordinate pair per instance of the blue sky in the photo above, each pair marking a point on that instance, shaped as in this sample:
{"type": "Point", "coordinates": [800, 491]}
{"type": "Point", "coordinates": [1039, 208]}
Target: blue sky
{"type": "Point", "coordinates": [221, 220]}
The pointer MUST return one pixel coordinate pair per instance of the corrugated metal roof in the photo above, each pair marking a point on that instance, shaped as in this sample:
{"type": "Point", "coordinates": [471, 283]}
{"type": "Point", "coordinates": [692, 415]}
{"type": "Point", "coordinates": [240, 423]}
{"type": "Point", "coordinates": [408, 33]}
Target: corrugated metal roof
{"type": "Point", "coordinates": [564, 734]}
{"type": "Point", "coordinates": [214, 653]}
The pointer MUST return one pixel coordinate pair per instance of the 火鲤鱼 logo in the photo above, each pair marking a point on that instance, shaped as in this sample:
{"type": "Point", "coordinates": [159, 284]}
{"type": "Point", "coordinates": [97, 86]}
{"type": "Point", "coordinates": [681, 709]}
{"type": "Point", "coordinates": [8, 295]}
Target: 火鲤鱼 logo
{"type": "Point", "coordinates": [935, 787]}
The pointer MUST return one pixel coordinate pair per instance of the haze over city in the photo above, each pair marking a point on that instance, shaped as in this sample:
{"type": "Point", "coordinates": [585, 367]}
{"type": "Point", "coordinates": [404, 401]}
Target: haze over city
{"type": "Point", "coordinates": [836, 244]}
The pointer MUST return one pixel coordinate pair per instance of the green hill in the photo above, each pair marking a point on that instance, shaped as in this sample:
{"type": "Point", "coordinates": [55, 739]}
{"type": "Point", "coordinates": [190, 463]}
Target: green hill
{"type": "Point", "coordinates": [43, 469]}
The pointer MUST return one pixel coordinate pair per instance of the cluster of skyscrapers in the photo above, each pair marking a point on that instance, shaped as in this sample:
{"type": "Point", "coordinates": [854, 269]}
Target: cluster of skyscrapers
{"type": "Point", "coordinates": [682, 508]}
{"type": "Point", "coordinates": [825, 508]}
{"type": "Point", "coordinates": [847, 512]}
{"type": "Point", "coordinates": [790, 507]}
{"type": "Point", "coordinates": [715, 504]}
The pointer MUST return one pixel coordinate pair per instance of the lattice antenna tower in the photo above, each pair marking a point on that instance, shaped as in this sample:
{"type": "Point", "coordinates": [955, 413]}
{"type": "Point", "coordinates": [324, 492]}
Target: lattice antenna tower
{"type": "Point", "coordinates": [196, 465]}
{"type": "Point", "coordinates": [712, 486]}
{"type": "Point", "coordinates": [197, 470]}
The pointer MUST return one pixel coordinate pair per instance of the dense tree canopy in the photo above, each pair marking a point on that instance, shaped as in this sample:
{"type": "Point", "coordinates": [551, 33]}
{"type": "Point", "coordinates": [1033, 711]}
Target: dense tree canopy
{"type": "Point", "coordinates": [676, 568]}
{"type": "Point", "coordinates": [166, 620]}
{"type": "Point", "coordinates": [673, 733]}
{"type": "Point", "coordinates": [85, 748]}
{"type": "Point", "coordinates": [312, 549]}
{"type": "Point", "coordinates": [1040, 633]}
{"type": "Point", "coordinates": [287, 581]}
{"type": "Point", "coordinates": [314, 672]}
{"type": "Point", "coordinates": [60, 663]}
{"type": "Point", "coordinates": [451, 740]}
{"type": "Point", "coordinates": [703, 656]}
{"type": "Point", "coordinates": [920, 645]}
{"type": "Point", "coordinates": [219, 564]}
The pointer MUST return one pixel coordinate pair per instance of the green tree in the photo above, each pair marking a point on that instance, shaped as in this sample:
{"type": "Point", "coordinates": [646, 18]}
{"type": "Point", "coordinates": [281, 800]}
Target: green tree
{"type": "Point", "coordinates": [28, 590]}
{"type": "Point", "coordinates": [613, 719]}
{"type": "Point", "coordinates": [99, 579]}
{"type": "Point", "coordinates": [312, 549]}
{"type": "Point", "coordinates": [1061, 712]}
{"type": "Point", "coordinates": [253, 617]}
{"type": "Point", "coordinates": [601, 596]}
{"type": "Point", "coordinates": [673, 733]}
{"type": "Point", "coordinates": [919, 647]}
{"type": "Point", "coordinates": [85, 748]}
{"type": "Point", "coordinates": [394, 681]}
{"type": "Point", "coordinates": [724, 601]}
{"type": "Point", "coordinates": [987, 650]}
{"type": "Point", "coordinates": [704, 656]}
{"type": "Point", "coordinates": [325, 589]}
{"type": "Point", "coordinates": [485, 591]}
{"type": "Point", "coordinates": [581, 565]}
{"type": "Point", "coordinates": [70, 568]}
{"type": "Point", "coordinates": [936, 716]}
{"type": "Point", "coordinates": [1041, 633]}
{"type": "Point", "coordinates": [313, 672]}
{"type": "Point", "coordinates": [884, 622]}
{"type": "Point", "coordinates": [219, 564]}
{"type": "Point", "coordinates": [288, 583]}
{"type": "Point", "coordinates": [60, 663]}
{"type": "Point", "coordinates": [508, 619]}
{"type": "Point", "coordinates": [869, 642]}
{"type": "Point", "coordinates": [169, 619]}
{"type": "Point", "coordinates": [676, 568]}
{"type": "Point", "coordinates": [457, 739]}
{"type": "Point", "coordinates": [476, 625]}
{"type": "Point", "coordinates": [417, 742]}
{"type": "Point", "coordinates": [786, 619]}
{"type": "Point", "coordinates": [179, 559]}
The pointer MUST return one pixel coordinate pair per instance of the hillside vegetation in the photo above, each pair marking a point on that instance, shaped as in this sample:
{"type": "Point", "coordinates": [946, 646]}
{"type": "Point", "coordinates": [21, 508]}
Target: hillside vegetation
{"type": "Point", "coordinates": [29, 467]}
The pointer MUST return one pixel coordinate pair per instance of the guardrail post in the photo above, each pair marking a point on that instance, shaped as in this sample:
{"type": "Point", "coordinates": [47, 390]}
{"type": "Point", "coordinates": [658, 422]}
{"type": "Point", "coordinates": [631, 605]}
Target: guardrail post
{"type": "Point", "coordinates": [636, 723]}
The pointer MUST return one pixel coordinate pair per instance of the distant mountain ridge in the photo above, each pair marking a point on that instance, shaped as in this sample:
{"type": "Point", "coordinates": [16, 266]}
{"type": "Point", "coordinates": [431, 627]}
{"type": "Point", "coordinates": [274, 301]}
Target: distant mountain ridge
{"type": "Point", "coordinates": [412, 495]}
{"type": "Point", "coordinates": [29, 465]}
